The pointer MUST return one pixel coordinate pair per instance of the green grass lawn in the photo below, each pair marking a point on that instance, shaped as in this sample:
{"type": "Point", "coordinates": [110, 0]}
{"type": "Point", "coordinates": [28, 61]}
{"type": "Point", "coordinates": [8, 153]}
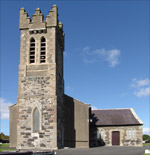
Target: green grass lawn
{"type": "Point", "coordinates": [145, 144]}
{"type": "Point", "coordinates": [1, 150]}
{"type": "Point", "coordinates": [5, 145]}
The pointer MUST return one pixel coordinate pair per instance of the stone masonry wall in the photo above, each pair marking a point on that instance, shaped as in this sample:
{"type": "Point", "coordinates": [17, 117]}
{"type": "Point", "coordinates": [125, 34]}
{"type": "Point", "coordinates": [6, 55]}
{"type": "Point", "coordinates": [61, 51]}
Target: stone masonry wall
{"type": "Point", "coordinates": [124, 138]}
{"type": "Point", "coordinates": [37, 88]}
{"type": "Point", "coordinates": [13, 117]}
{"type": "Point", "coordinates": [59, 92]}
{"type": "Point", "coordinates": [76, 123]}
{"type": "Point", "coordinates": [36, 94]}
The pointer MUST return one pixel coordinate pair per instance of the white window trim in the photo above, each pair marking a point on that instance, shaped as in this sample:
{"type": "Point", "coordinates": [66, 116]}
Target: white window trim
{"type": "Point", "coordinates": [132, 134]}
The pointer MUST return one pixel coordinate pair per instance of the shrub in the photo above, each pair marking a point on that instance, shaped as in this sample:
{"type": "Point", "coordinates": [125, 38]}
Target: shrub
{"type": "Point", "coordinates": [146, 137]}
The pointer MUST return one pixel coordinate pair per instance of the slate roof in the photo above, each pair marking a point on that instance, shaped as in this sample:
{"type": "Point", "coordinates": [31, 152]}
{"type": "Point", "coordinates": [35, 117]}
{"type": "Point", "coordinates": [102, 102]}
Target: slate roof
{"type": "Point", "coordinates": [115, 117]}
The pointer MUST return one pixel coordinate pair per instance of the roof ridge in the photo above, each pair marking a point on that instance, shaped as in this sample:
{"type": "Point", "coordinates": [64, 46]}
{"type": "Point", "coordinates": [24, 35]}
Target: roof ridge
{"type": "Point", "coordinates": [78, 100]}
{"type": "Point", "coordinates": [12, 105]}
{"type": "Point", "coordinates": [114, 109]}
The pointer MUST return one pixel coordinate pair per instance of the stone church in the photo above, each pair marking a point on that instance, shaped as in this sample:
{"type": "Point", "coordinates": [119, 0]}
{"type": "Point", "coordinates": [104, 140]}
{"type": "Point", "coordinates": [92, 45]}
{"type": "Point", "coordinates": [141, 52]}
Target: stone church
{"type": "Point", "coordinates": [44, 118]}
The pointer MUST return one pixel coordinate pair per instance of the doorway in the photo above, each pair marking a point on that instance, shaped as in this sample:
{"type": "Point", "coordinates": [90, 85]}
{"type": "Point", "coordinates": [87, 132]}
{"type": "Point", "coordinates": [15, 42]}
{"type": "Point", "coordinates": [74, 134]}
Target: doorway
{"type": "Point", "coordinates": [115, 138]}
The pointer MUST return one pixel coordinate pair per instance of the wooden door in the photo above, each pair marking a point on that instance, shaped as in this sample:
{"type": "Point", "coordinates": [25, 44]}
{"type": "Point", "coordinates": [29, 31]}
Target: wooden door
{"type": "Point", "coordinates": [115, 138]}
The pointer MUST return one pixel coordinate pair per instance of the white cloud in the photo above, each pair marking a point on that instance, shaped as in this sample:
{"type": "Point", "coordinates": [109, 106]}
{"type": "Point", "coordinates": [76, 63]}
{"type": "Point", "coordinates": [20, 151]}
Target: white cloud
{"type": "Point", "coordinates": [88, 61]}
{"type": "Point", "coordinates": [86, 48]}
{"type": "Point", "coordinates": [92, 56]}
{"type": "Point", "coordinates": [4, 112]}
{"type": "Point", "coordinates": [146, 131]}
{"type": "Point", "coordinates": [142, 92]}
{"type": "Point", "coordinates": [113, 57]}
{"type": "Point", "coordinates": [139, 83]}
{"type": "Point", "coordinates": [94, 108]}
{"type": "Point", "coordinates": [141, 87]}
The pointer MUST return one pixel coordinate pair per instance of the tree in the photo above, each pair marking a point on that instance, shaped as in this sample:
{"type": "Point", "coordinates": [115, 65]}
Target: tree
{"type": "Point", "coordinates": [146, 137]}
{"type": "Point", "coordinates": [3, 137]}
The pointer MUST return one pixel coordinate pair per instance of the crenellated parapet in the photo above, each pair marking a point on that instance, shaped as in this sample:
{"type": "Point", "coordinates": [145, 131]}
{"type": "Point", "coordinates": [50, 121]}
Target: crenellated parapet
{"type": "Point", "coordinates": [24, 19]}
{"type": "Point", "coordinates": [37, 24]}
{"type": "Point", "coordinates": [52, 18]}
{"type": "Point", "coordinates": [37, 21]}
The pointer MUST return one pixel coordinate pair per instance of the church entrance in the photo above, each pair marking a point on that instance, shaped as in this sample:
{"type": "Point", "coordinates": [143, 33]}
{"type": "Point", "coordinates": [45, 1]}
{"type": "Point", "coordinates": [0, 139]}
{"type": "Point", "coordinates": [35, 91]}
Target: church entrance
{"type": "Point", "coordinates": [115, 138]}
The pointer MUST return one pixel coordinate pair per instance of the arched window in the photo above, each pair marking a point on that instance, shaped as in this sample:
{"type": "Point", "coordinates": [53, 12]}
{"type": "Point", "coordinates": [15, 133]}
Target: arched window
{"type": "Point", "coordinates": [102, 134]}
{"type": "Point", "coordinates": [129, 133]}
{"type": "Point", "coordinates": [98, 134]}
{"type": "Point", "coordinates": [36, 120]}
{"type": "Point", "coordinates": [32, 50]}
{"type": "Point", "coordinates": [133, 133]}
{"type": "Point", "coordinates": [43, 50]}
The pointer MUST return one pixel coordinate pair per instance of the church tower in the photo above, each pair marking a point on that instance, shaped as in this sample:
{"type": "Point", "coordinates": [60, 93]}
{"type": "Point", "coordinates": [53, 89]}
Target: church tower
{"type": "Point", "coordinates": [41, 84]}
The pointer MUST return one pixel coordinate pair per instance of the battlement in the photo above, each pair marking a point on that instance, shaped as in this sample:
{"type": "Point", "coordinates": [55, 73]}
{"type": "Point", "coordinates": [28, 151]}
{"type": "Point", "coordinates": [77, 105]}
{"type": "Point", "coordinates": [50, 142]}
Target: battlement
{"type": "Point", "coordinates": [37, 24]}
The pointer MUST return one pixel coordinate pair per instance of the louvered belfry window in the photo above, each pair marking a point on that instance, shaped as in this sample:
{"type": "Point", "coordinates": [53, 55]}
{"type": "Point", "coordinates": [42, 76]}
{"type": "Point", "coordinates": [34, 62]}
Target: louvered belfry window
{"type": "Point", "coordinates": [32, 50]}
{"type": "Point", "coordinates": [43, 50]}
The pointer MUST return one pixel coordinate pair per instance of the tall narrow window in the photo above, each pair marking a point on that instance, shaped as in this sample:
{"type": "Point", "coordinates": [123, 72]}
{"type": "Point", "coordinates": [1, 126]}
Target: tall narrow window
{"type": "Point", "coordinates": [43, 50]}
{"type": "Point", "coordinates": [133, 133]}
{"type": "Point", "coordinates": [32, 50]}
{"type": "Point", "coordinates": [98, 134]}
{"type": "Point", "coordinates": [129, 133]}
{"type": "Point", "coordinates": [102, 134]}
{"type": "Point", "coordinates": [36, 120]}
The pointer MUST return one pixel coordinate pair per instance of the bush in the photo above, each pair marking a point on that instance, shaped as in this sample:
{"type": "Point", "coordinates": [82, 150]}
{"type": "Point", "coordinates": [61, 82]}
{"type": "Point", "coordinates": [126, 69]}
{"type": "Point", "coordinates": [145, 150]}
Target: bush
{"type": "Point", "coordinates": [4, 138]}
{"type": "Point", "coordinates": [146, 137]}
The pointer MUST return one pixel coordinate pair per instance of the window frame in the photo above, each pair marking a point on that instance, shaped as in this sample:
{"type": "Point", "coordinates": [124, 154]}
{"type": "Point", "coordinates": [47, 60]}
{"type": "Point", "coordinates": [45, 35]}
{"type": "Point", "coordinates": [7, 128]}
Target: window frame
{"type": "Point", "coordinates": [33, 121]}
{"type": "Point", "coordinates": [98, 136]}
{"type": "Point", "coordinates": [43, 50]}
{"type": "Point", "coordinates": [129, 134]}
{"type": "Point", "coordinates": [102, 133]}
{"type": "Point", "coordinates": [133, 133]}
{"type": "Point", "coordinates": [32, 51]}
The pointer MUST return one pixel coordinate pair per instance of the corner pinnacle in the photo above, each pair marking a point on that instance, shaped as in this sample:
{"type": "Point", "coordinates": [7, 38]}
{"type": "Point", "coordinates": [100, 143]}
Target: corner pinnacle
{"type": "Point", "coordinates": [54, 6]}
{"type": "Point", "coordinates": [37, 9]}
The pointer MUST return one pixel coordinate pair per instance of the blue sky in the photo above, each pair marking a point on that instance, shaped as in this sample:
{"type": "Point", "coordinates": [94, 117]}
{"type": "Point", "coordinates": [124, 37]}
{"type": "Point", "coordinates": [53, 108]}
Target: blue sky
{"type": "Point", "coordinates": [106, 57]}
